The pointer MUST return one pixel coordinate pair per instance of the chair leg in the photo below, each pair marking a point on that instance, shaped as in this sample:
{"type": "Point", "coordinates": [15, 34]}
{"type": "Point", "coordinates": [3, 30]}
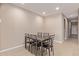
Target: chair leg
{"type": "Point", "coordinates": [41, 51]}
{"type": "Point", "coordinates": [36, 50]}
{"type": "Point", "coordinates": [53, 51]}
{"type": "Point", "coordinates": [46, 50]}
{"type": "Point", "coordinates": [49, 51]}
{"type": "Point", "coordinates": [25, 44]}
{"type": "Point", "coordinates": [31, 48]}
{"type": "Point", "coordinates": [33, 51]}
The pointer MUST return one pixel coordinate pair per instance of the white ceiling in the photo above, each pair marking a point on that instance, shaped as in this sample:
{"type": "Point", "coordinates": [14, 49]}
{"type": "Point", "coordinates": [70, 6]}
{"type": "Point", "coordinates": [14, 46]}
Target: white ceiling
{"type": "Point", "coordinates": [68, 9]}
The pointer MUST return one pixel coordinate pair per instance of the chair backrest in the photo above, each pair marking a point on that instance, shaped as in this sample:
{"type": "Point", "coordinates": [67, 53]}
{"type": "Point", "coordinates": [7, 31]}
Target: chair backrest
{"type": "Point", "coordinates": [45, 35]}
{"type": "Point", "coordinates": [27, 35]}
{"type": "Point", "coordinates": [30, 36]}
{"type": "Point", "coordinates": [39, 34]}
{"type": "Point", "coordinates": [52, 36]}
{"type": "Point", "coordinates": [34, 37]}
{"type": "Point", "coordinates": [49, 39]}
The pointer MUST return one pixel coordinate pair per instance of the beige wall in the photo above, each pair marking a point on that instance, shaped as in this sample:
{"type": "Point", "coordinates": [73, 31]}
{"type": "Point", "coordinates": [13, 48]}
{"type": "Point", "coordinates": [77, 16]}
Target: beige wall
{"type": "Point", "coordinates": [55, 24]}
{"type": "Point", "coordinates": [16, 21]}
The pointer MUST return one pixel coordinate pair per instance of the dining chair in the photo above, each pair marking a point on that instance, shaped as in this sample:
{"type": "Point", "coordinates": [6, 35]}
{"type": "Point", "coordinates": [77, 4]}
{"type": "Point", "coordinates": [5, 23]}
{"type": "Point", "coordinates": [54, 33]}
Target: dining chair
{"type": "Point", "coordinates": [36, 44]}
{"type": "Point", "coordinates": [26, 38]}
{"type": "Point", "coordinates": [48, 44]}
{"type": "Point", "coordinates": [29, 41]}
{"type": "Point", "coordinates": [32, 41]}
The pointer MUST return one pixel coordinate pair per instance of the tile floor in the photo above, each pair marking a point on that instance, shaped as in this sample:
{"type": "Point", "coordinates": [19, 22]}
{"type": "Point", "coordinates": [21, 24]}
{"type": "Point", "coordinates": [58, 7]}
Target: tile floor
{"type": "Point", "coordinates": [70, 47]}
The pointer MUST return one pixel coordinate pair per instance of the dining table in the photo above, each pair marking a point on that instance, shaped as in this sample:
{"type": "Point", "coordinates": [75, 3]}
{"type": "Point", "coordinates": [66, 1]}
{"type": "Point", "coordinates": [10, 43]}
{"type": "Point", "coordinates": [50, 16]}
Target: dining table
{"type": "Point", "coordinates": [40, 40]}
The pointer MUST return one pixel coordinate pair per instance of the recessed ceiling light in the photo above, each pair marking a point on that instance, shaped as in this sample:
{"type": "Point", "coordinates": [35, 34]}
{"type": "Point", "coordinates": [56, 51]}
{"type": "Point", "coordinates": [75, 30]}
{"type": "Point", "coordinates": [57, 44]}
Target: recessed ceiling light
{"type": "Point", "coordinates": [57, 8]}
{"type": "Point", "coordinates": [71, 15]}
{"type": "Point", "coordinates": [43, 13]}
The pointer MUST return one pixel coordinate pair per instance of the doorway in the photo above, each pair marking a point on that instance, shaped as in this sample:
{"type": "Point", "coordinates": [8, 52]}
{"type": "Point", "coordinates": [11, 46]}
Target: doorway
{"type": "Point", "coordinates": [73, 28]}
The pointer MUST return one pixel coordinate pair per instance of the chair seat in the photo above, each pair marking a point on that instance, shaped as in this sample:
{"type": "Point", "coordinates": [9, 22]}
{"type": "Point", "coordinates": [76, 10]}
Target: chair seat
{"type": "Point", "coordinates": [46, 45]}
{"type": "Point", "coordinates": [38, 44]}
{"type": "Point", "coordinates": [31, 42]}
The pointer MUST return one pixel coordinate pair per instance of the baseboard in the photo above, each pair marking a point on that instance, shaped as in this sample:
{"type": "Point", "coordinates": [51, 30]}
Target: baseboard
{"type": "Point", "coordinates": [8, 49]}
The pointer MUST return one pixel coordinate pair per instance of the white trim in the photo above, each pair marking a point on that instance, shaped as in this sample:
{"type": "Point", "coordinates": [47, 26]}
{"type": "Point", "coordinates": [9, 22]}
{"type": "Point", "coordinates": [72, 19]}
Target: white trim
{"type": "Point", "coordinates": [8, 49]}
